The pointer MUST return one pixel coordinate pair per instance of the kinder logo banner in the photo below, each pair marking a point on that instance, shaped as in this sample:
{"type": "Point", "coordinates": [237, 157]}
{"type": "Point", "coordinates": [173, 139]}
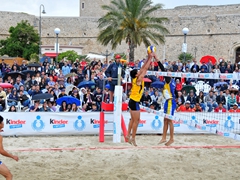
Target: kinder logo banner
{"type": "Point", "coordinates": [13, 124]}
{"type": "Point", "coordinates": [58, 123]}
{"type": "Point", "coordinates": [88, 123]}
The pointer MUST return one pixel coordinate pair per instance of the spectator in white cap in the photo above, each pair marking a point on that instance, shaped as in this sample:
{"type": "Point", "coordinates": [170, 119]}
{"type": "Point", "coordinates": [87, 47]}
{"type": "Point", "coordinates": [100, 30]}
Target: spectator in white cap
{"type": "Point", "coordinates": [185, 107]}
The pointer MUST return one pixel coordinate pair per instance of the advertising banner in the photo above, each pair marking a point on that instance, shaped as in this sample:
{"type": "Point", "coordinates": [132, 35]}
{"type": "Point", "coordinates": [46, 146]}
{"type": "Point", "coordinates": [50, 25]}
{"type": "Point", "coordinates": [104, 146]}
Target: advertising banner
{"type": "Point", "coordinates": [38, 123]}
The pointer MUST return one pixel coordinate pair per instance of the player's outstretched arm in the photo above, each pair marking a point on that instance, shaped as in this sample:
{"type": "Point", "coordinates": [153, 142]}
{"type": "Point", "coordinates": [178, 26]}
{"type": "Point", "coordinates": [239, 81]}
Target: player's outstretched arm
{"type": "Point", "coordinates": [5, 153]}
{"type": "Point", "coordinates": [159, 63]}
{"type": "Point", "coordinates": [144, 68]}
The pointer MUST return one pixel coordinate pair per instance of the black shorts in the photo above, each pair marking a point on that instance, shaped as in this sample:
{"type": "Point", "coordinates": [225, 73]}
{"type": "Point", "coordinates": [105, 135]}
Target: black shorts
{"type": "Point", "coordinates": [133, 105]}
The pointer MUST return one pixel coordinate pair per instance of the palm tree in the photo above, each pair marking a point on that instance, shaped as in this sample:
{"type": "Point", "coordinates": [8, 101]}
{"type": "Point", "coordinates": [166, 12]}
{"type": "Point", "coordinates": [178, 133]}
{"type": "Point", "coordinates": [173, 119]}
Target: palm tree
{"type": "Point", "coordinates": [132, 21]}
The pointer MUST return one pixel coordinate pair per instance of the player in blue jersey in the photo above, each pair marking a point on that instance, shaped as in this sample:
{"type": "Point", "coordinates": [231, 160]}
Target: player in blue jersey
{"type": "Point", "coordinates": [169, 107]}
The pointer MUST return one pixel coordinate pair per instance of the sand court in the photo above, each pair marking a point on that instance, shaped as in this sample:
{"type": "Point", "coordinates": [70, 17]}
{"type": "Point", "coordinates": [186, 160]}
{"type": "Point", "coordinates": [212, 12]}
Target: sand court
{"type": "Point", "coordinates": [83, 157]}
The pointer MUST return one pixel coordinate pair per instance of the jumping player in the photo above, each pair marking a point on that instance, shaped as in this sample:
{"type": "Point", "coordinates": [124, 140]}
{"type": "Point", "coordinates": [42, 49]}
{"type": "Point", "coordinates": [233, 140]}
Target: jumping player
{"type": "Point", "coordinates": [135, 97]}
{"type": "Point", "coordinates": [169, 106]}
{"type": "Point", "coordinates": [4, 171]}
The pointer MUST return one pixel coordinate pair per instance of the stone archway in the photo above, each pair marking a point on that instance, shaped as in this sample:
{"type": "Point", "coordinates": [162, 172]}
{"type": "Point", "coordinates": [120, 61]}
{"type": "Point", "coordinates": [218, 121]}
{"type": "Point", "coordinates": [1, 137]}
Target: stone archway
{"type": "Point", "coordinates": [234, 53]}
{"type": "Point", "coordinates": [237, 55]}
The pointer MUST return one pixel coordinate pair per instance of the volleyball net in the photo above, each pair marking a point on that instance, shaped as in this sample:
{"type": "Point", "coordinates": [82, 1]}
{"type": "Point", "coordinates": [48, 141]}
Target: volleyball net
{"type": "Point", "coordinates": [218, 114]}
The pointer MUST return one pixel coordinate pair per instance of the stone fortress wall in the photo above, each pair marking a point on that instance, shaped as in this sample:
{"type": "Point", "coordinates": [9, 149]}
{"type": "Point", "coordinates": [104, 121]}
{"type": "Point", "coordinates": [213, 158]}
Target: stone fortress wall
{"type": "Point", "coordinates": [214, 30]}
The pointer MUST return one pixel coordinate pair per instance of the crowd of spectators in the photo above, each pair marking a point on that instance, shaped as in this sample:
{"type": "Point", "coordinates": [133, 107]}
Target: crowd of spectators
{"type": "Point", "coordinates": [62, 79]}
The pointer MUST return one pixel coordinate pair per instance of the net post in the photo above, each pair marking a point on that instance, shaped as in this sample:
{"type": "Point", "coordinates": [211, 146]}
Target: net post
{"type": "Point", "coordinates": [117, 110]}
{"type": "Point", "coordinates": [101, 127]}
{"type": "Point", "coordinates": [124, 129]}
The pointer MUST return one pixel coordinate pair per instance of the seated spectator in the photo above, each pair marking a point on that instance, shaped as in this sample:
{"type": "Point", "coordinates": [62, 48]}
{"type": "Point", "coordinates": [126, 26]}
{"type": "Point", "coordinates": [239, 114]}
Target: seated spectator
{"type": "Point", "coordinates": [69, 107]}
{"type": "Point", "coordinates": [2, 103]}
{"type": "Point", "coordinates": [62, 94]}
{"type": "Point", "coordinates": [146, 99]}
{"type": "Point", "coordinates": [32, 82]}
{"type": "Point", "coordinates": [56, 89]}
{"type": "Point", "coordinates": [211, 101]}
{"type": "Point", "coordinates": [45, 107]}
{"type": "Point", "coordinates": [38, 78]}
{"type": "Point", "coordinates": [192, 99]}
{"type": "Point", "coordinates": [21, 88]}
{"type": "Point", "coordinates": [54, 98]}
{"type": "Point", "coordinates": [221, 98]}
{"type": "Point", "coordinates": [98, 98]}
{"type": "Point", "coordinates": [88, 99]}
{"type": "Point", "coordinates": [61, 78]}
{"type": "Point", "coordinates": [179, 99]}
{"type": "Point", "coordinates": [63, 107]}
{"type": "Point", "coordinates": [178, 85]}
{"type": "Point", "coordinates": [37, 90]}
{"type": "Point", "coordinates": [68, 82]}
{"type": "Point", "coordinates": [75, 94]}
{"type": "Point", "coordinates": [235, 108]}
{"type": "Point", "coordinates": [51, 106]}
{"type": "Point", "coordinates": [12, 109]}
{"type": "Point", "coordinates": [197, 108]}
{"type": "Point", "coordinates": [154, 98]}
{"type": "Point", "coordinates": [42, 84]}
{"type": "Point", "coordinates": [185, 107]}
{"type": "Point", "coordinates": [2, 93]}
{"type": "Point", "coordinates": [231, 100]}
{"type": "Point", "coordinates": [185, 95]}
{"type": "Point", "coordinates": [94, 108]}
{"type": "Point", "coordinates": [74, 108]}
{"type": "Point", "coordinates": [200, 100]}
{"type": "Point", "coordinates": [35, 107]}
{"type": "Point", "coordinates": [13, 98]}
{"type": "Point", "coordinates": [18, 84]}
{"type": "Point", "coordinates": [31, 90]}
{"type": "Point", "coordinates": [220, 108]}
{"type": "Point", "coordinates": [23, 99]}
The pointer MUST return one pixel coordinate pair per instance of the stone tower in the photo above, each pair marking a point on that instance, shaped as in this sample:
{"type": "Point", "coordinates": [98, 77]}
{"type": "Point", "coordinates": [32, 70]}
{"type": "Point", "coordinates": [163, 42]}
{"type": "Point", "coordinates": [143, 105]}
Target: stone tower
{"type": "Point", "coordinates": [92, 8]}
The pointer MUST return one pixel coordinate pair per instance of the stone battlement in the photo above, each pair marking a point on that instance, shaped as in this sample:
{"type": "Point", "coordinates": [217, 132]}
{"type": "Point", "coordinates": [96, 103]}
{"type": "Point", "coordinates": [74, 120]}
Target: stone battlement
{"type": "Point", "coordinates": [214, 30]}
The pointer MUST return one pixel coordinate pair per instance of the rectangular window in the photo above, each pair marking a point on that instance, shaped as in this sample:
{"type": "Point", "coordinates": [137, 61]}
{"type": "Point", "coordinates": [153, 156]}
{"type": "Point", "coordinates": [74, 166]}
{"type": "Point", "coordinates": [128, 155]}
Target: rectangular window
{"type": "Point", "coordinates": [82, 5]}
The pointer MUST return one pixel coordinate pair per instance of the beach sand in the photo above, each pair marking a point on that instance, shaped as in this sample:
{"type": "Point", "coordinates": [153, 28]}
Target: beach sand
{"type": "Point", "coordinates": [92, 160]}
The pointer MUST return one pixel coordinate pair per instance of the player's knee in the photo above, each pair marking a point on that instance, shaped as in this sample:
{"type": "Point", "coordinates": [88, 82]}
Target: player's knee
{"type": "Point", "coordinates": [169, 121]}
{"type": "Point", "coordinates": [8, 175]}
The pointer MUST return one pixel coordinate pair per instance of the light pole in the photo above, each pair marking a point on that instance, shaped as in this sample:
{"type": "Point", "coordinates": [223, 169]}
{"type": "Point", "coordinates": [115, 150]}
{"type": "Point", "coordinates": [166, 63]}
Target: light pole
{"type": "Point", "coordinates": [57, 31]}
{"type": "Point", "coordinates": [40, 28]}
{"type": "Point", "coordinates": [184, 47]}
{"type": "Point", "coordinates": [106, 54]}
{"type": "Point", "coordinates": [195, 51]}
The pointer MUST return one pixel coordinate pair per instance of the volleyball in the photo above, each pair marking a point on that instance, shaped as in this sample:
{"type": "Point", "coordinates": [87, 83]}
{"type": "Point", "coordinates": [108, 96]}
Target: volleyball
{"type": "Point", "coordinates": [151, 49]}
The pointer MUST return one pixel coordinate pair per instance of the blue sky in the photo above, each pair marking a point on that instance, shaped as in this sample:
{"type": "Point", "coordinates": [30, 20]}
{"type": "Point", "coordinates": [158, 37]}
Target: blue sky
{"type": "Point", "coordinates": [71, 7]}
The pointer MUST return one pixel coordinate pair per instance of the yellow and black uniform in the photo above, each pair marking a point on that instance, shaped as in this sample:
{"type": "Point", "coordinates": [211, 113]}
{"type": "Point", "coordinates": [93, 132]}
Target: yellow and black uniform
{"type": "Point", "coordinates": [136, 95]}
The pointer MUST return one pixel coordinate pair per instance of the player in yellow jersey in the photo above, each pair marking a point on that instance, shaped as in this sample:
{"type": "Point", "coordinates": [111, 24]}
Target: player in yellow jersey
{"type": "Point", "coordinates": [135, 97]}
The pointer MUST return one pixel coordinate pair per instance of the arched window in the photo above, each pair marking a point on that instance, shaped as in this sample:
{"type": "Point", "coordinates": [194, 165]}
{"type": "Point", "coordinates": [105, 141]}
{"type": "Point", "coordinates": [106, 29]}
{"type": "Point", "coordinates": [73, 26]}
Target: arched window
{"type": "Point", "coordinates": [237, 55]}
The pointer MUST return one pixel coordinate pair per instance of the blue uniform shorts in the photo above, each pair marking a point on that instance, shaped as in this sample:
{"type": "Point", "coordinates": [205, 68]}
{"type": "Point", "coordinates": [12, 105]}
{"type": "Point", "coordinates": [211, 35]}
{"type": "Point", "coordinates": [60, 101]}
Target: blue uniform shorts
{"type": "Point", "coordinates": [170, 106]}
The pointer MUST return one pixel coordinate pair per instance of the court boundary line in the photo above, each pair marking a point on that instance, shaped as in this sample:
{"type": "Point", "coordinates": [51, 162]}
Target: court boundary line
{"type": "Point", "coordinates": [127, 148]}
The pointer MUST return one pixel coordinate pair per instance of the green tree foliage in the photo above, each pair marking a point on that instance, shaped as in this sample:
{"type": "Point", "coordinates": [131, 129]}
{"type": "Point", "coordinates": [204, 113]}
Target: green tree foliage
{"type": "Point", "coordinates": [132, 21]}
{"type": "Point", "coordinates": [34, 57]}
{"type": "Point", "coordinates": [188, 56]}
{"type": "Point", "coordinates": [69, 55]}
{"type": "Point", "coordinates": [22, 42]}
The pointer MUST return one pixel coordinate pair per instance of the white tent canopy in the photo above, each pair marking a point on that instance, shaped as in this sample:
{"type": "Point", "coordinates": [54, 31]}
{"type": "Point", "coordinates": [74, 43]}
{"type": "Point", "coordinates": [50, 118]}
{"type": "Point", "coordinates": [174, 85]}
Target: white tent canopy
{"type": "Point", "coordinates": [97, 56]}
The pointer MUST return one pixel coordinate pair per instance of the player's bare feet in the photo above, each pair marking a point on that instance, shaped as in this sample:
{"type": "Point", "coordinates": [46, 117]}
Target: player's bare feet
{"type": "Point", "coordinates": [128, 139]}
{"type": "Point", "coordinates": [133, 142]}
{"type": "Point", "coordinates": [162, 141]}
{"type": "Point", "coordinates": [169, 142]}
